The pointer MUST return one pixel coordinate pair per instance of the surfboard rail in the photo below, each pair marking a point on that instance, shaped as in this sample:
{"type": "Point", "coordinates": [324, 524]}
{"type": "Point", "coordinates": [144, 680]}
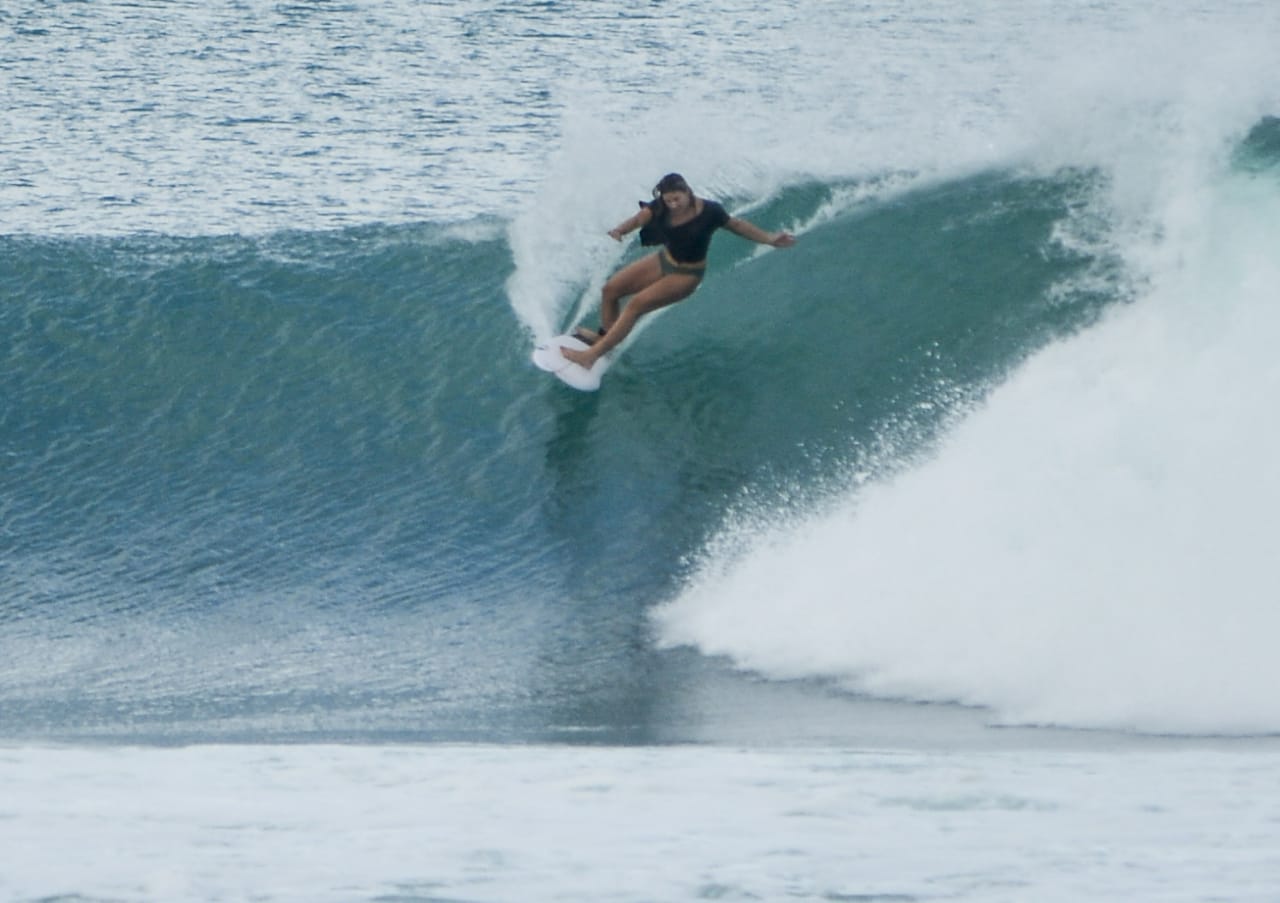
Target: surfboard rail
{"type": "Point", "coordinates": [547, 357]}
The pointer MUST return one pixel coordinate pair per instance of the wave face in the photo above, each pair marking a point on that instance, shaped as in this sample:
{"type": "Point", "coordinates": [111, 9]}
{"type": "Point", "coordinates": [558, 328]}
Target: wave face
{"type": "Point", "coordinates": [1089, 545]}
{"type": "Point", "coordinates": [274, 462]}
{"type": "Point", "coordinates": [252, 477]}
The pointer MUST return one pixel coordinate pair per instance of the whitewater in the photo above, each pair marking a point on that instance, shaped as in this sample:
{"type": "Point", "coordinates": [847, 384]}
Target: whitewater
{"type": "Point", "coordinates": [929, 559]}
{"type": "Point", "coordinates": [1089, 545]}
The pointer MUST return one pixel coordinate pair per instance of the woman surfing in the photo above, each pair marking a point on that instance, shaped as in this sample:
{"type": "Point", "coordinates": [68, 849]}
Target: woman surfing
{"type": "Point", "coordinates": [683, 224]}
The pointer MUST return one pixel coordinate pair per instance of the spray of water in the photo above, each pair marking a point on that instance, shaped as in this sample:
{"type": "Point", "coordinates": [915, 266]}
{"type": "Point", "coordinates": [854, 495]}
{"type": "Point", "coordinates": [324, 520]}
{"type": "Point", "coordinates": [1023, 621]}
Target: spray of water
{"type": "Point", "coordinates": [1093, 546]}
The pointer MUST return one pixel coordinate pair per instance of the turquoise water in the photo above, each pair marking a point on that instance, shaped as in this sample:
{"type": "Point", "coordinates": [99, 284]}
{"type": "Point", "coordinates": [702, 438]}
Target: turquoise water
{"type": "Point", "coordinates": [339, 433]}
{"type": "Point", "coordinates": [275, 463]}
{"type": "Point", "coordinates": [931, 558]}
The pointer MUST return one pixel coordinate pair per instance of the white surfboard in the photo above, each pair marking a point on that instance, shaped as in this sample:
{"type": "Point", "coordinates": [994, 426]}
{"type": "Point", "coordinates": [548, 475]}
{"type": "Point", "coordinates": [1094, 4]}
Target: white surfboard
{"type": "Point", "coordinates": [548, 357]}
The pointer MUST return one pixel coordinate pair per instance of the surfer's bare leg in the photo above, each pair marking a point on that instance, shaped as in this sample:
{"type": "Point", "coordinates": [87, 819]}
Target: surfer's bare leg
{"type": "Point", "coordinates": [666, 290]}
{"type": "Point", "coordinates": [633, 278]}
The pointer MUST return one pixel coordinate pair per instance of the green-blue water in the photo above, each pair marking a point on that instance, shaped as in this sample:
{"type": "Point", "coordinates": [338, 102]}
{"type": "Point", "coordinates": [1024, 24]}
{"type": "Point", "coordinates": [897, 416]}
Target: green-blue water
{"type": "Point", "coordinates": [274, 461]}
{"type": "Point", "coordinates": [310, 481]}
{"type": "Point", "coordinates": [878, 569]}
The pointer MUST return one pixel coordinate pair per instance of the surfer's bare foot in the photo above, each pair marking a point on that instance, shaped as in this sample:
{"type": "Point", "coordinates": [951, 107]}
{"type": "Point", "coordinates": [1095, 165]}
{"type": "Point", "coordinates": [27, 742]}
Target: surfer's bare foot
{"type": "Point", "coordinates": [581, 358]}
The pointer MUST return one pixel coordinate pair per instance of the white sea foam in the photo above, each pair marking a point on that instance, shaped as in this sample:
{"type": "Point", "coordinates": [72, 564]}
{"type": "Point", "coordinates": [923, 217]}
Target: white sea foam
{"type": "Point", "coordinates": [677, 823]}
{"type": "Point", "coordinates": [1093, 545]}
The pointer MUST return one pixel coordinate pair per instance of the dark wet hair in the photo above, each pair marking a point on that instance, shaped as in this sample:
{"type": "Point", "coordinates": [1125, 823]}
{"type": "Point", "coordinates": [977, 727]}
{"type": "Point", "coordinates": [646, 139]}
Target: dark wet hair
{"type": "Point", "coordinates": [672, 181]}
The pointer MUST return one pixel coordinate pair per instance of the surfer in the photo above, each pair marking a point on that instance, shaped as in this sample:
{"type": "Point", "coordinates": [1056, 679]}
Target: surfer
{"type": "Point", "coordinates": [683, 224]}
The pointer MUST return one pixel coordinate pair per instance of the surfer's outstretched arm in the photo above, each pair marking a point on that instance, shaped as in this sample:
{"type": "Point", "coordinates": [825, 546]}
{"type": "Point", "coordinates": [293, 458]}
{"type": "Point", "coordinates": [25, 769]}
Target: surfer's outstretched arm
{"type": "Point", "coordinates": [632, 223]}
{"type": "Point", "coordinates": [752, 232]}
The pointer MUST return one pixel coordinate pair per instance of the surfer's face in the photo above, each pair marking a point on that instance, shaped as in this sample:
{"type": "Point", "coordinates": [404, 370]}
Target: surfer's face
{"type": "Point", "coordinates": [677, 200]}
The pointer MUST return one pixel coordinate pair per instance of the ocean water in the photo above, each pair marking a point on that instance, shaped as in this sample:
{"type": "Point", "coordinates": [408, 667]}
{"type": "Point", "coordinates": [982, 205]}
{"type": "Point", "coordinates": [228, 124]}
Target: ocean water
{"type": "Point", "coordinates": [929, 559]}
